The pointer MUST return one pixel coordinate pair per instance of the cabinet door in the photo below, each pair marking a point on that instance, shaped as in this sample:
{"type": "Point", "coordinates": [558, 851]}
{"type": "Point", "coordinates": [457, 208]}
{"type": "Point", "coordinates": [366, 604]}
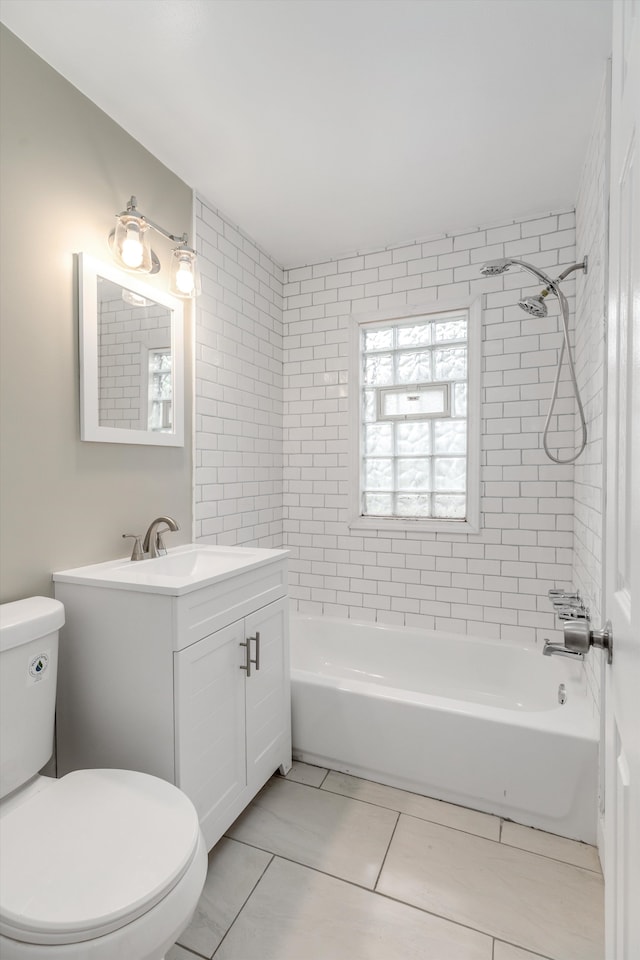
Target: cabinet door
{"type": "Point", "coordinates": [267, 693]}
{"type": "Point", "coordinates": [210, 723]}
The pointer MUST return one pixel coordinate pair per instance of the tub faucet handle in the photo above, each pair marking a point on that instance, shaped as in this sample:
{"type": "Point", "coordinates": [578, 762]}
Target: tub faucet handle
{"type": "Point", "coordinates": [137, 553]}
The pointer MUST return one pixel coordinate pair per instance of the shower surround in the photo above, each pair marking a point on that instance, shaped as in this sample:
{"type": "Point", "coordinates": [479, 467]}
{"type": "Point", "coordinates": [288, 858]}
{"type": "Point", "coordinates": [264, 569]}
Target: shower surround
{"type": "Point", "coordinates": [492, 584]}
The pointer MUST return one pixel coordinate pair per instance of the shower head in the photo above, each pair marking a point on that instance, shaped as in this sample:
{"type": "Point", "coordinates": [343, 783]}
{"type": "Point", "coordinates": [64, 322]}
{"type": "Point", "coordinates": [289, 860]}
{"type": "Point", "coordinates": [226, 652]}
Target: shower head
{"type": "Point", "coordinates": [493, 268]}
{"type": "Point", "coordinates": [534, 305]}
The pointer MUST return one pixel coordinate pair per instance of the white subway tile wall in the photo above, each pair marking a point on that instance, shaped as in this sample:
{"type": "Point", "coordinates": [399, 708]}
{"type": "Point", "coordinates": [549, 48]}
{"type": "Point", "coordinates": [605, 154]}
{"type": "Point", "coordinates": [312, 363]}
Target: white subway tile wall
{"type": "Point", "coordinates": [238, 372]}
{"type": "Point", "coordinates": [493, 584]}
{"type": "Point", "coordinates": [591, 234]}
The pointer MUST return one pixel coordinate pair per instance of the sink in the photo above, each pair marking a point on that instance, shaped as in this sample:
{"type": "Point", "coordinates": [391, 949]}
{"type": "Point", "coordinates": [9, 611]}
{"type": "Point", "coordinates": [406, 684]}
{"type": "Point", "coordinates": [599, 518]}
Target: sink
{"type": "Point", "coordinates": [181, 570]}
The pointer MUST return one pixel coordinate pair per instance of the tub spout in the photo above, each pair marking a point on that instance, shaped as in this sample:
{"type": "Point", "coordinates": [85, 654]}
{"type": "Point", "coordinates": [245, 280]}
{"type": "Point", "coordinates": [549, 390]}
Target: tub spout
{"type": "Point", "coordinates": [559, 650]}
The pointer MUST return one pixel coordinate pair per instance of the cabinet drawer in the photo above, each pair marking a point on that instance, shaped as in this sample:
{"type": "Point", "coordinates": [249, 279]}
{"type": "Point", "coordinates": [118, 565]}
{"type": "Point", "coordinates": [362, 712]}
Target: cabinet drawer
{"type": "Point", "coordinates": [202, 612]}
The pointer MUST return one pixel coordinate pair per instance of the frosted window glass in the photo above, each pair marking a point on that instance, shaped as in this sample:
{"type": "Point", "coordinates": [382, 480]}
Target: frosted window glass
{"type": "Point", "coordinates": [414, 367]}
{"type": "Point", "coordinates": [413, 417]}
{"type": "Point", "coordinates": [378, 440]}
{"type": "Point", "coordinates": [451, 330]}
{"type": "Point", "coordinates": [378, 369]}
{"type": "Point", "coordinates": [453, 507]}
{"type": "Point", "coordinates": [451, 363]}
{"type": "Point", "coordinates": [418, 336]}
{"type": "Point", "coordinates": [413, 438]}
{"type": "Point", "coordinates": [378, 474]}
{"type": "Point", "coordinates": [450, 474]}
{"type": "Point", "coordinates": [378, 504]}
{"type": "Point", "coordinates": [460, 400]}
{"type": "Point", "coordinates": [378, 338]}
{"type": "Point", "coordinates": [413, 474]}
{"type": "Point", "coordinates": [411, 505]}
{"type": "Point", "coordinates": [450, 436]}
{"type": "Point", "coordinates": [369, 405]}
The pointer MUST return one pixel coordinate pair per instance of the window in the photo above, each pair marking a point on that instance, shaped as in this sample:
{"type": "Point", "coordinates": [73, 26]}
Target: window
{"type": "Point", "coordinates": [416, 415]}
{"type": "Point", "coordinates": [160, 390]}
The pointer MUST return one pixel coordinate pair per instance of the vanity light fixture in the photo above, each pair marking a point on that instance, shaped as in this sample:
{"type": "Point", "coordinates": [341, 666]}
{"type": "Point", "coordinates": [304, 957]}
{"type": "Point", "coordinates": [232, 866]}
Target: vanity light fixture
{"type": "Point", "coordinates": [130, 243]}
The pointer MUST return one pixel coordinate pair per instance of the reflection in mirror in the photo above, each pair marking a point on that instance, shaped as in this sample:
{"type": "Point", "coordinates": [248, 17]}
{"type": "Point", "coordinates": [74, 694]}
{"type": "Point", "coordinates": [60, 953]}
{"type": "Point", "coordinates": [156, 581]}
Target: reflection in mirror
{"type": "Point", "coordinates": [134, 360]}
{"type": "Point", "coordinates": [130, 360]}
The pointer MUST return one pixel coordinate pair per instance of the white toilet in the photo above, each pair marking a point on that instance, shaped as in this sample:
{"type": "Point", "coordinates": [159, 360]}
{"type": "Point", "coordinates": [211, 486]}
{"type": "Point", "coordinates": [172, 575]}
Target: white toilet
{"type": "Point", "coordinates": [101, 864]}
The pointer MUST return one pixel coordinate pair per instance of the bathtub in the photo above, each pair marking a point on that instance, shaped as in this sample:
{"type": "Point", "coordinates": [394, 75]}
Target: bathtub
{"type": "Point", "coordinates": [471, 721]}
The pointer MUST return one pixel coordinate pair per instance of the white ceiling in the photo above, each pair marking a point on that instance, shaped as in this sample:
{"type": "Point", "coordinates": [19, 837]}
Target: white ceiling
{"type": "Point", "coordinates": [325, 127]}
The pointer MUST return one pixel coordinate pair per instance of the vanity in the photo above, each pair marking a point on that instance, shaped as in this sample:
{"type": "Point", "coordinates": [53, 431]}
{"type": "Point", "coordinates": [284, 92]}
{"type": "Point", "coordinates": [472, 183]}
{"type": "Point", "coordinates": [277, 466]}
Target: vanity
{"type": "Point", "coordinates": [178, 666]}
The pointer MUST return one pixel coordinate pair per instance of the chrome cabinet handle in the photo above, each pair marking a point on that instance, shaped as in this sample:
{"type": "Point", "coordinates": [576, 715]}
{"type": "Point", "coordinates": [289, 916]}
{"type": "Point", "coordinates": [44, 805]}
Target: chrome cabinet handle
{"type": "Point", "coordinates": [248, 661]}
{"type": "Point", "coordinates": [257, 640]}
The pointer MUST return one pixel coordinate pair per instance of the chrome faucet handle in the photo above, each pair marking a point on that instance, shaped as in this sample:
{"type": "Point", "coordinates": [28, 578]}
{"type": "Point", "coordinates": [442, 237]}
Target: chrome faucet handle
{"type": "Point", "coordinates": [137, 553]}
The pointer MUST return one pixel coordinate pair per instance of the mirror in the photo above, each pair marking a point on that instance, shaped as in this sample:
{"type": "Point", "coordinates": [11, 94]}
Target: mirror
{"type": "Point", "coordinates": [131, 359]}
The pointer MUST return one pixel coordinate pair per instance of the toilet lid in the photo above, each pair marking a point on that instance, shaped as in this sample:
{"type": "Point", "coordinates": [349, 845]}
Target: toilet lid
{"type": "Point", "coordinates": [93, 851]}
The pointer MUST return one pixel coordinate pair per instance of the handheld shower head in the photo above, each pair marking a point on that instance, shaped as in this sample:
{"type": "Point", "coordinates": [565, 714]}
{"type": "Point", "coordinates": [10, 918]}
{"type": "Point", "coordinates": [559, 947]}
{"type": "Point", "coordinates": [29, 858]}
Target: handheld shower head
{"type": "Point", "coordinates": [493, 268]}
{"type": "Point", "coordinates": [534, 305]}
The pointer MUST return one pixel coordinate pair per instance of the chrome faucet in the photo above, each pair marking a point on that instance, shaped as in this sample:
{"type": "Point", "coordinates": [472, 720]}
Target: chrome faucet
{"type": "Point", "coordinates": [559, 650]}
{"type": "Point", "coordinates": [153, 545]}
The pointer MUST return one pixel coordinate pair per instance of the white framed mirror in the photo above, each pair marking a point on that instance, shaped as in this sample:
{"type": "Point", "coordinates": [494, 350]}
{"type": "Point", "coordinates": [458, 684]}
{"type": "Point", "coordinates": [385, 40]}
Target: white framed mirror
{"type": "Point", "coordinates": [131, 358]}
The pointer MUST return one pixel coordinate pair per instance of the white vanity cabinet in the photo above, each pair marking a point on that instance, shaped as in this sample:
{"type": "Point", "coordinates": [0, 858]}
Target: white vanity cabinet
{"type": "Point", "coordinates": [159, 682]}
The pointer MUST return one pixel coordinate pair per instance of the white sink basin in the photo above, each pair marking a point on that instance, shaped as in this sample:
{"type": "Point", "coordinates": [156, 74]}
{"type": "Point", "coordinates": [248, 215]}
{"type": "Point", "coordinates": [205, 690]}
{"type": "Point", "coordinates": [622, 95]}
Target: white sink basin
{"type": "Point", "coordinates": [181, 570]}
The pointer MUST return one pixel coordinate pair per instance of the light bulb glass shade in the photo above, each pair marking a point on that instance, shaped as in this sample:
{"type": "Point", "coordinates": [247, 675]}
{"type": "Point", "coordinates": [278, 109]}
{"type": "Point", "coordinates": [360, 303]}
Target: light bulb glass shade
{"type": "Point", "coordinates": [185, 277]}
{"type": "Point", "coordinates": [132, 245]}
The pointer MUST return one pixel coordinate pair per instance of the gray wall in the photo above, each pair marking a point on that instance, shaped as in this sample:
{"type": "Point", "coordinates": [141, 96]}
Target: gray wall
{"type": "Point", "coordinates": [67, 169]}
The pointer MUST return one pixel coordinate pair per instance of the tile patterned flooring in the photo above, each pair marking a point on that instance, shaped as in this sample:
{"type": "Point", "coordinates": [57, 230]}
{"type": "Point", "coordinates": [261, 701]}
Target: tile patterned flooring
{"type": "Point", "coordinates": [324, 866]}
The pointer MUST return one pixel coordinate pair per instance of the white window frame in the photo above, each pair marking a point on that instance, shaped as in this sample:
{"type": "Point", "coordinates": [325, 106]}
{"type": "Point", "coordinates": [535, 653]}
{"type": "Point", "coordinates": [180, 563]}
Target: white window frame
{"type": "Point", "coordinates": [471, 524]}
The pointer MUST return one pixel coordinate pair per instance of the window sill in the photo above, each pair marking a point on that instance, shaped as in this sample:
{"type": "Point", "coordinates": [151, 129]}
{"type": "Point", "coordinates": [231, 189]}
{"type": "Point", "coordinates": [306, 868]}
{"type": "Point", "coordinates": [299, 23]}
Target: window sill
{"type": "Point", "coordinates": [413, 526]}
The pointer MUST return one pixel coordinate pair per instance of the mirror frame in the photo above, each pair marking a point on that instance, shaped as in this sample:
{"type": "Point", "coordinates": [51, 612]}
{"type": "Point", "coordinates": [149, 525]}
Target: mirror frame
{"type": "Point", "coordinates": [89, 270]}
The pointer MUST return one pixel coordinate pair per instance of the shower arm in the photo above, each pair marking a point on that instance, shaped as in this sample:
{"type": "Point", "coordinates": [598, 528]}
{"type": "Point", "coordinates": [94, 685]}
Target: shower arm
{"type": "Point", "coordinates": [548, 282]}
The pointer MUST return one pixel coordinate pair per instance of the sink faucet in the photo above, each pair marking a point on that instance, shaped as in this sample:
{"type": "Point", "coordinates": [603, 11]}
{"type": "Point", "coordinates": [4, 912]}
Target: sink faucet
{"type": "Point", "coordinates": [153, 545]}
{"type": "Point", "coordinates": [559, 650]}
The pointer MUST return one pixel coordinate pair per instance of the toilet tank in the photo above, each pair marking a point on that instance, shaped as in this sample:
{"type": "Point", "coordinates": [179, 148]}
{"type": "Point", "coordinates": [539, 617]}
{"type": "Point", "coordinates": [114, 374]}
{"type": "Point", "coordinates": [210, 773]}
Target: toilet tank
{"type": "Point", "coordinates": [28, 668]}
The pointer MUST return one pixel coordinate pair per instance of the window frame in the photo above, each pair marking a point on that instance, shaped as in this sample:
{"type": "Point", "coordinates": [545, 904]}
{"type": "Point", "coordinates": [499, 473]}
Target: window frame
{"type": "Point", "coordinates": [471, 524]}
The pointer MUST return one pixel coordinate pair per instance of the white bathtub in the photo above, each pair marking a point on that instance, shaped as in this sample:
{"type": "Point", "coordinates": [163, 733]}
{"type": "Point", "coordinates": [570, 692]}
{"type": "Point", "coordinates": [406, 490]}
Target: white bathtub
{"type": "Point", "coordinates": [471, 721]}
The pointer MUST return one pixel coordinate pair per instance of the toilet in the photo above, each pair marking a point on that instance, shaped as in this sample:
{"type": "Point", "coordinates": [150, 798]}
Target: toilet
{"type": "Point", "coordinates": [100, 864]}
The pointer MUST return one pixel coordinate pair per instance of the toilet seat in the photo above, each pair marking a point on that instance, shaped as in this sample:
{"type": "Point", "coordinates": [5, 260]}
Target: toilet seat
{"type": "Point", "coordinates": [91, 853]}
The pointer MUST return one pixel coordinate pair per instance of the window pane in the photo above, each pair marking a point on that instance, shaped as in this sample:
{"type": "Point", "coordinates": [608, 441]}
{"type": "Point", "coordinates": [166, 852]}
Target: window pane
{"type": "Point", "coordinates": [452, 507]}
{"type": "Point", "coordinates": [451, 363]}
{"type": "Point", "coordinates": [460, 399]}
{"type": "Point", "coordinates": [419, 401]}
{"type": "Point", "coordinates": [410, 505]}
{"type": "Point", "coordinates": [413, 438]}
{"type": "Point", "coordinates": [451, 330]}
{"type": "Point", "coordinates": [413, 474]}
{"type": "Point", "coordinates": [450, 474]}
{"type": "Point", "coordinates": [378, 440]}
{"type": "Point", "coordinates": [378, 504]}
{"type": "Point", "coordinates": [418, 336]}
{"type": "Point", "coordinates": [369, 404]}
{"type": "Point", "coordinates": [414, 367]}
{"type": "Point", "coordinates": [378, 369]}
{"type": "Point", "coordinates": [450, 436]}
{"type": "Point", "coordinates": [378, 339]}
{"type": "Point", "coordinates": [378, 474]}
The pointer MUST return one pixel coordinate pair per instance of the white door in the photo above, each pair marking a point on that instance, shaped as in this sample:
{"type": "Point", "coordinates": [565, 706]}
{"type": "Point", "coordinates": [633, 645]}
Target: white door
{"type": "Point", "coordinates": [622, 570]}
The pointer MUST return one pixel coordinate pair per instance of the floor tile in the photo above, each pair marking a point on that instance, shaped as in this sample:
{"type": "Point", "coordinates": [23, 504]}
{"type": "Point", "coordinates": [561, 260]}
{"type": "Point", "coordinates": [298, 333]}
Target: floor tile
{"type": "Point", "coordinates": [334, 834]}
{"type": "Point", "coordinates": [234, 870]}
{"type": "Point", "coordinates": [179, 953]}
{"type": "Point", "coordinates": [306, 773]}
{"type": "Point", "coordinates": [299, 914]}
{"type": "Point", "coordinates": [505, 951]}
{"type": "Point", "coordinates": [540, 904]}
{"type": "Point", "coordinates": [482, 824]}
{"type": "Point", "coordinates": [547, 844]}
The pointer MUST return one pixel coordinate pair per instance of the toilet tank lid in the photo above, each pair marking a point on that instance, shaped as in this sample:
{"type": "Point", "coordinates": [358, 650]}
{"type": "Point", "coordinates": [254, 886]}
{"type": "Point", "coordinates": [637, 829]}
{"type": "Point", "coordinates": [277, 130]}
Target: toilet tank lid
{"type": "Point", "coordinates": [24, 620]}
